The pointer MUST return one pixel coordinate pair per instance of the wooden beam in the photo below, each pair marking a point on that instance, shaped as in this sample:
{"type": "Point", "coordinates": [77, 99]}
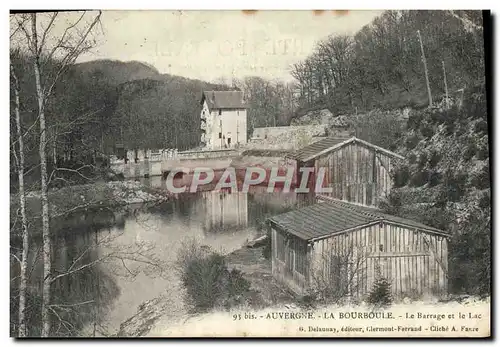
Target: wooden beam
{"type": "Point", "coordinates": [396, 254]}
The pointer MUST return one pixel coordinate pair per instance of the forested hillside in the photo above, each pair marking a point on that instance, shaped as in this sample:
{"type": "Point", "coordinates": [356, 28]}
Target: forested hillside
{"type": "Point", "coordinates": [97, 104]}
{"type": "Point", "coordinates": [381, 66]}
{"type": "Point", "coordinates": [445, 183]}
{"type": "Point", "coordinates": [376, 81]}
{"type": "Point", "coordinates": [150, 109]}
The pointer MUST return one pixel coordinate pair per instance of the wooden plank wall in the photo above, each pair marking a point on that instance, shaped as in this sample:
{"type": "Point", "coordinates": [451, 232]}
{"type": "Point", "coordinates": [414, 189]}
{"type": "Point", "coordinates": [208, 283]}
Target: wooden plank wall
{"type": "Point", "coordinates": [294, 258]}
{"type": "Point", "coordinates": [357, 173]}
{"type": "Point", "coordinates": [414, 262]}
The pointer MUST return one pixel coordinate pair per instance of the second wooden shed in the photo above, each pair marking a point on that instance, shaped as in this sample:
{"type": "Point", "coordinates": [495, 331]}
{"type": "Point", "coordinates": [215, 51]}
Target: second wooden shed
{"type": "Point", "coordinates": [356, 170]}
{"type": "Point", "coordinates": [341, 247]}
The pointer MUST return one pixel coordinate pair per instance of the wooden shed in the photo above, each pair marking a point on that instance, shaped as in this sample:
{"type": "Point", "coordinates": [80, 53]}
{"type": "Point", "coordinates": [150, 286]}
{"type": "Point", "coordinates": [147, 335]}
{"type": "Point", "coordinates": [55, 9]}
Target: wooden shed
{"type": "Point", "coordinates": [356, 170]}
{"type": "Point", "coordinates": [341, 248]}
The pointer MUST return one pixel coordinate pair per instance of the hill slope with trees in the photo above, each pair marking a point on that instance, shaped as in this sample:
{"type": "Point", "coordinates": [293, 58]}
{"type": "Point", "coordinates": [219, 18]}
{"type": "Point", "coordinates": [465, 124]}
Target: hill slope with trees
{"type": "Point", "coordinates": [381, 65]}
{"type": "Point", "coordinates": [376, 80]}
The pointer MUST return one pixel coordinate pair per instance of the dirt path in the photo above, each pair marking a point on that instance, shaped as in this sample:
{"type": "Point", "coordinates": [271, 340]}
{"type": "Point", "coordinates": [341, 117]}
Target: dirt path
{"type": "Point", "coordinates": [257, 270]}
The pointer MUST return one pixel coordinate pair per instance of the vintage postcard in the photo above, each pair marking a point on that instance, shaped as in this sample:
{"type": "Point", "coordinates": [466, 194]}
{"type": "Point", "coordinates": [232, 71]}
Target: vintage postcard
{"type": "Point", "coordinates": [250, 173]}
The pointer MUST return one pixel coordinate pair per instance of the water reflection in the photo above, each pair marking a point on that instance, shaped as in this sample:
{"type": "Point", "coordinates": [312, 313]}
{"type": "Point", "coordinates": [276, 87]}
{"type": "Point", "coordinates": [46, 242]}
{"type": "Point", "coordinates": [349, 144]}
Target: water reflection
{"type": "Point", "coordinates": [222, 220]}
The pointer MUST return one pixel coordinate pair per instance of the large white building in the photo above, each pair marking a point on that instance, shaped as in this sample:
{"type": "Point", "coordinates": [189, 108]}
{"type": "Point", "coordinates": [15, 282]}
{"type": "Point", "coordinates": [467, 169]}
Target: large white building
{"type": "Point", "coordinates": [223, 119]}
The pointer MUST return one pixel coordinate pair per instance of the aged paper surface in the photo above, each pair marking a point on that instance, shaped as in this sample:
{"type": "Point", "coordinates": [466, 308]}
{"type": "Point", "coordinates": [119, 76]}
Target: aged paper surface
{"type": "Point", "coordinates": [249, 174]}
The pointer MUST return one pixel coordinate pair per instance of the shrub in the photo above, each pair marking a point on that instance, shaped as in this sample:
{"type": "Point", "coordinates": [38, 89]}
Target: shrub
{"type": "Point", "coordinates": [470, 255]}
{"type": "Point", "coordinates": [419, 178]}
{"type": "Point", "coordinates": [460, 130]}
{"type": "Point", "coordinates": [414, 121]}
{"type": "Point", "coordinates": [401, 176]}
{"type": "Point", "coordinates": [427, 131]}
{"type": "Point", "coordinates": [434, 159]}
{"type": "Point", "coordinates": [435, 178]}
{"type": "Point", "coordinates": [455, 185]}
{"type": "Point", "coordinates": [482, 179]}
{"type": "Point", "coordinates": [470, 151]}
{"type": "Point", "coordinates": [450, 128]}
{"type": "Point", "coordinates": [485, 201]}
{"type": "Point", "coordinates": [207, 280]}
{"type": "Point", "coordinates": [203, 280]}
{"type": "Point", "coordinates": [412, 142]}
{"type": "Point", "coordinates": [412, 158]}
{"type": "Point", "coordinates": [482, 153]}
{"type": "Point", "coordinates": [481, 127]}
{"type": "Point", "coordinates": [380, 294]}
{"type": "Point", "coordinates": [393, 204]}
{"type": "Point", "coordinates": [422, 160]}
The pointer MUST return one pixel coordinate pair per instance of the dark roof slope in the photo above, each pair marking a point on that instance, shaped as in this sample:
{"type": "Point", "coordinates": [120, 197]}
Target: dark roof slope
{"type": "Point", "coordinates": [333, 216]}
{"type": "Point", "coordinates": [331, 143]}
{"type": "Point", "coordinates": [224, 99]}
{"type": "Point", "coordinates": [317, 147]}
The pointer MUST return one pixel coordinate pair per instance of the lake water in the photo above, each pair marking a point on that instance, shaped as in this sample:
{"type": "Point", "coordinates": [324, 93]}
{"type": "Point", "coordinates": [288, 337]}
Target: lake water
{"type": "Point", "coordinates": [128, 245]}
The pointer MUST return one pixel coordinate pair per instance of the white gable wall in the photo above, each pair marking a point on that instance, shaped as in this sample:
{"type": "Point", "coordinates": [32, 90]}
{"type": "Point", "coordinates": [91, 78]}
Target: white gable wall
{"type": "Point", "coordinates": [232, 123]}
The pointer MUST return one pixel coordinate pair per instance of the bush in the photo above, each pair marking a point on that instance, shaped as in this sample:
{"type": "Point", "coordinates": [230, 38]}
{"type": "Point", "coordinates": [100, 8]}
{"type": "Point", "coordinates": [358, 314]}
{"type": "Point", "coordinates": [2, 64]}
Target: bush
{"type": "Point", "coordinates": [482, 153]}
{"type": "Point", "coordinates": [393, 204]}
{"type": "Point", "coordinates": [470, 151]}
{"type": "Point", "coordinates": [485, 201]}
{"type": "Point", "coordinates": [383, 129]}
{"type": "Point", "coordinates": [435, 178]}
{"type": "Point", "coordinates": [419, 178]}
{"type": "Point", "coordinates": [481, 127]}
{"type": "Point", "coordinates": [427, 131]}
{"type": "Point", "coordinates": [422, 160]}
{"type": "Point", "coordinates": [455, 185]}
{"type": "Point", "coordinates": [482, 180]}
{"type": "Point", "coordinates": [412, 142]}
{"type": "Point", "coordinates": [380, 294]}
{"type": "Point", "coordinates": [470, 256]}
{"type": "Point", "coordinates": [414, 121]}
{"type": "Point", "coordinates": [450, 128]}
{"type": "Point", "coordinates": [434, 159]}
{"type": "Point", "coordinates": [207, 280]}
{"type": "Point", "coordinates": [401, 176]}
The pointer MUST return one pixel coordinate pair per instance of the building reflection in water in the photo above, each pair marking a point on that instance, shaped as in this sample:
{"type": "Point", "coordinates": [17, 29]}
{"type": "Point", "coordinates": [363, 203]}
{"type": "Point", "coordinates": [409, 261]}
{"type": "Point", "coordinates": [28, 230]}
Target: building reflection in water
{"type": "Point", "coordinates": [225, 210]}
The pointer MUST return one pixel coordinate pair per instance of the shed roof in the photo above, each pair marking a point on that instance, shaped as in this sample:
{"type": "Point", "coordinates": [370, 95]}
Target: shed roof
{"type": "Point", "coordinates": [334, 216]}
{"type": "Point", "coordinates": [332, 143]}
{"type": "Point", "coordinates": [224, 99]}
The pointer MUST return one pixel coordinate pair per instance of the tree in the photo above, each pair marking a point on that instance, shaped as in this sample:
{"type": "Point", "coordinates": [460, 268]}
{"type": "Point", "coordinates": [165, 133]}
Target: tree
{"type": "Point", "coordinates": [22, 207]}
{"type": "Point", "coordinates": [67, 48]}
{"type": "Point", "coordinates": [380, 295]}
{"type": "Point", "coordinates": [380, 66]}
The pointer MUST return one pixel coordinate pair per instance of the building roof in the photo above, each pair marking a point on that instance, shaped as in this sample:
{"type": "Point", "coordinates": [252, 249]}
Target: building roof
{"type": "Point", "coordinates": [224, 99]}
{"type": "Point", "coordinates": [331, 217]}
{"type": "Point", "coordinates": [332, 143]}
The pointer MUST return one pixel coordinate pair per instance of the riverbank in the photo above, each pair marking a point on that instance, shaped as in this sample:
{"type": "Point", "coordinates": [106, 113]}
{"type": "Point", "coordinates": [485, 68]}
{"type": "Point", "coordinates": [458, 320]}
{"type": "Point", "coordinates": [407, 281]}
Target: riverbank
{"type": "Point", "coordinates": [99, 195]}
{"type": "Point", "coordinates": [257, 271]}
{"type": "Point", "coordinates": [156, 314]}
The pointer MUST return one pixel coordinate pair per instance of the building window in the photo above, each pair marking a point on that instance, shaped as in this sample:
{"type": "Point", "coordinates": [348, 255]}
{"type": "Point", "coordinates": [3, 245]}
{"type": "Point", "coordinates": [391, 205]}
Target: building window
{"type": "Point", "coordinates": [381, 248]}
{"type": "Point", "coordinates": [220, 112]}
{"type": "Point", "coordinates": [220, 135]}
